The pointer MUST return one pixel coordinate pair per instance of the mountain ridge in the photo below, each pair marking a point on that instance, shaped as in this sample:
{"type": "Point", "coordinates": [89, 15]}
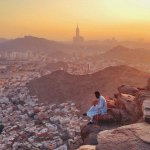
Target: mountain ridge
{"type": "Point", "coordinates": [127, 55]}
{"type": "Point", "coordinates": [30, 43]}
{"type": "Point", "coordinates": [61, 86]}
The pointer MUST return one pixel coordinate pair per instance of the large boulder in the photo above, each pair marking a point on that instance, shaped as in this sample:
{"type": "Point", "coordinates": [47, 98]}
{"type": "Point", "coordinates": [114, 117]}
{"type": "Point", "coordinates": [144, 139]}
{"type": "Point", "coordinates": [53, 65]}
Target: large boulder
{"type": "Point", "coordinates": [89, 132]}
{"type": "Point", "coordinates": [127, 110]}
{"type": "Point", "coordinates": [130, 108]}
{"type": "Point", "coordinates": [127, 89]}
{"type": "Point", "coordinates": [135, 136]}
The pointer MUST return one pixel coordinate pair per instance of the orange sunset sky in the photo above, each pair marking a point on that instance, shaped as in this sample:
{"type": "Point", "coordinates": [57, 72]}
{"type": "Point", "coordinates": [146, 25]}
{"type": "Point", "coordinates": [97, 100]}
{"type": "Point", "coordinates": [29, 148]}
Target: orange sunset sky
{"type": "Point", "coordinates": [57, 19]}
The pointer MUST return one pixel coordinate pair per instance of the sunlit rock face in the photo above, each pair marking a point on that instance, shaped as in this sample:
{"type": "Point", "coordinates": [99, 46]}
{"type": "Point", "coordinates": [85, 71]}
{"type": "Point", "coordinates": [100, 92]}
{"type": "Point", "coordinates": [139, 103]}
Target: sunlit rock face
{"type": "Point", "coordinates": [135, 136]}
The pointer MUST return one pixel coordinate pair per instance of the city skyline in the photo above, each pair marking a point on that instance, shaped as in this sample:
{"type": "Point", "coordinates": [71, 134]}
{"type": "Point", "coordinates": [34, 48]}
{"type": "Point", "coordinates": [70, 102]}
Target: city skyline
{"type": "Point", "coordinates": [97, 19]}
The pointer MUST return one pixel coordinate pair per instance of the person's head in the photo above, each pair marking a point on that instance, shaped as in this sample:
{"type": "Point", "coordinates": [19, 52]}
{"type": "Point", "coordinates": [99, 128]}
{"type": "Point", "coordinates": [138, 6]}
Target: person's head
{"type": "Point", "coordinates": [97, 94]}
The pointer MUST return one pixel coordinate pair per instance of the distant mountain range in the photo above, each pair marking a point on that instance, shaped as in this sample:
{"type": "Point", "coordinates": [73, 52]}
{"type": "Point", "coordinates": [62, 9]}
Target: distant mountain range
{"type": "Point", "coordinates": [41, 44]}
{"type": "Point", "coordinates": [61, 86]}
{"type": "Point", "coordinates": [60, 49]}
{"type": "Point", "coordinates": [30, 43]}
{"type": "Point", "coordinates": [127, 55]}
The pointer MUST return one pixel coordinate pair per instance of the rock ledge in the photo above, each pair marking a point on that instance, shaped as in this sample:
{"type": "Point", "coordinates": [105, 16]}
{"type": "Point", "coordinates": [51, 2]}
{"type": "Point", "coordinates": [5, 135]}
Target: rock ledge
{"type": "Point", "coordinates": [134, 136]}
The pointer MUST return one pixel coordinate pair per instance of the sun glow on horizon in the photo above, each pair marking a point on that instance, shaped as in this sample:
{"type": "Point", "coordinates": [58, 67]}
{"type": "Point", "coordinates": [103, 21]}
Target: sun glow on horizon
{"type": "Point", "coordinates": [124, 19]}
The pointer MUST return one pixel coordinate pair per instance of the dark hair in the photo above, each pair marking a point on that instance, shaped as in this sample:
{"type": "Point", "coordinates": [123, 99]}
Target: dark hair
{"type": "Point", "coordinates": [97, 94]}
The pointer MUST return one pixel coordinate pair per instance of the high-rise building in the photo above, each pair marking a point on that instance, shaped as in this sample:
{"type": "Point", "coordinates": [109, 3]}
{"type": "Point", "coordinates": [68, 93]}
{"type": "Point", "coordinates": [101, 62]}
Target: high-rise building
{"type": "Point", "coordinates": [78, 39]}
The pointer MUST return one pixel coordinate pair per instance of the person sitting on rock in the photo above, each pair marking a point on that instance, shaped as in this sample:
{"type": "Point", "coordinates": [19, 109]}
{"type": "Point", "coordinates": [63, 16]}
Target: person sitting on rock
{"type": "Point", "coordinates": [99, 107]}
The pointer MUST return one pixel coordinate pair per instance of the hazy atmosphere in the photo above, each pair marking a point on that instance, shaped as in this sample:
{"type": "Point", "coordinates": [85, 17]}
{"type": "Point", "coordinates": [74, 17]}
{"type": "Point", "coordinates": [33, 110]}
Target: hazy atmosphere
{"type": "Point", "coordinates": [74, 74]}
{"type": "Point", "coordinates": [56, 19]}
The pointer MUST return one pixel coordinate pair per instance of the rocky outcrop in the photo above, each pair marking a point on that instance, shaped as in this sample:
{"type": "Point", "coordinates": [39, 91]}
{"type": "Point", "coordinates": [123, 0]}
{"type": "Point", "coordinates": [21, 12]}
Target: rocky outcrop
{"type": "Point", "coordinates": [125, 109]}
{"type": "Point", "coordinates": [135, 136]}
{"type": "Point", "coordinates": [89, 132]}
{"type": "Point", "coordinates": [127, 89]}
{"type": "Point", "coordinates": [129, 107]}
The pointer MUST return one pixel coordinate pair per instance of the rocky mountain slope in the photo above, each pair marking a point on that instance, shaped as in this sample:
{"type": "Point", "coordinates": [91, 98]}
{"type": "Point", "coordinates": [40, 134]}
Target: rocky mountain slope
{"type": "Point", "coordinates": [61, 86]}
{"type": "Point", "coordinates": [127, 55]}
